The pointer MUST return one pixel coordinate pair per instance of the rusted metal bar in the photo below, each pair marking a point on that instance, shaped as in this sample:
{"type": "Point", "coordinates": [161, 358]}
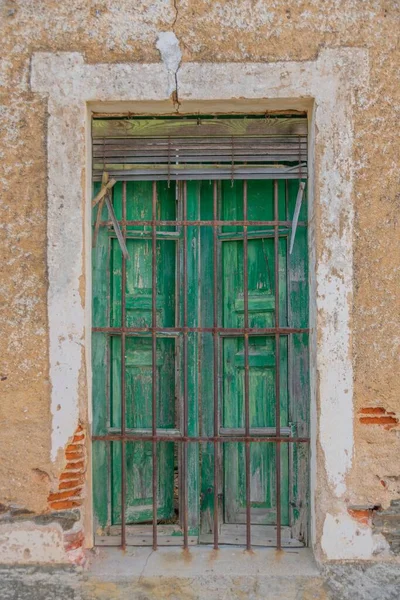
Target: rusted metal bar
{"type": "Point", "coordinates": [123, 382]}
{"type": "Point", "coordinates": [198, 223]}
{"type": "Point", "coordinates": [185, 375]}
{"type": "Point", "coordinates": [277, 374]}
{"type": "Point", "coordinates": [221, 439]}
{"type": "Point", "coordinates": [223, 331]}
{"type": "Point", "coordinates": [215, 348]}
{"type": "Point", "coordinates": [154, 359]}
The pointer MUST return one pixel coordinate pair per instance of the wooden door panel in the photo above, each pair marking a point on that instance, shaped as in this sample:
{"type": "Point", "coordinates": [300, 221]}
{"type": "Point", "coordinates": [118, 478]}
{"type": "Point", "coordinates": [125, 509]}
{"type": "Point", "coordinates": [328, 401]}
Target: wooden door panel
{"type": "Point", "coordinates": [293, 309]}
{"type": "Point", "coordinates": [138, 358]}
{"type": "Point", "coordinates": [262, 399]}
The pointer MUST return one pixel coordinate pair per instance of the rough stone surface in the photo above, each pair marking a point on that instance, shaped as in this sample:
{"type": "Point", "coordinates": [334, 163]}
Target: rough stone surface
{"type": "Point", "coordinates": [387, 522]}
{"type": "Point", "coordinates": [141, 574]}
{"type": "Point", "coordinates": [179, 579]}
{"type": "Point", "coordinates": [367, 581]}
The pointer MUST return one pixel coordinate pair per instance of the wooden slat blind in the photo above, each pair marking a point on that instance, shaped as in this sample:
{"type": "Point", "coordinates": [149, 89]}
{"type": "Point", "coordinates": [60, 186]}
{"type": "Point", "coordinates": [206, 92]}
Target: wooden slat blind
{"type": "Point", "coordinates": [182, 149]}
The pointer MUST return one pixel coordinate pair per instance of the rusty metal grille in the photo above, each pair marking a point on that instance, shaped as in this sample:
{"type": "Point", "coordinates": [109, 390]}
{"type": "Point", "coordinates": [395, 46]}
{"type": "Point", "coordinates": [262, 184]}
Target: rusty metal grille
{"type": "Point", "coordinates": [248, 436]}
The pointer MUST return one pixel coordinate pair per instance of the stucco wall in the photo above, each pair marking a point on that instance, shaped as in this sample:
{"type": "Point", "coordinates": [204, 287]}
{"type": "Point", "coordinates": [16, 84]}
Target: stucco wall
{"type": "Point", "coordinates": [217, 32]}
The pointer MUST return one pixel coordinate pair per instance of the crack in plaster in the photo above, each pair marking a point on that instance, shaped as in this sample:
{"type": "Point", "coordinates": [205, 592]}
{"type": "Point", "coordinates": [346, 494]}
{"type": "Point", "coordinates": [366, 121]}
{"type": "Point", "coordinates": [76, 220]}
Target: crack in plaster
{"type": "Point", "coordinates": [176, 14]}
{"type": "Point", "coordinates": [168, 46]}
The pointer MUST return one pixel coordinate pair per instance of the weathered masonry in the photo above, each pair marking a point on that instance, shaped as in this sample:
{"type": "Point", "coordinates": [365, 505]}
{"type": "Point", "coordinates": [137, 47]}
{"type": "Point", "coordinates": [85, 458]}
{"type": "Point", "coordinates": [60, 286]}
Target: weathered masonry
{"type": "Point", "coordinates": [200, 321]}
{"type": "Point", "coordinates": [246, 438]}
{"type": "Point", "coordinates": [200, 281]}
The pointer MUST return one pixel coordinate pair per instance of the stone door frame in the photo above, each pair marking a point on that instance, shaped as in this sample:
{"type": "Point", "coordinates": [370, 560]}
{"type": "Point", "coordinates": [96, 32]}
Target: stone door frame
{"type": "Point", "coordinates": [325, 87]}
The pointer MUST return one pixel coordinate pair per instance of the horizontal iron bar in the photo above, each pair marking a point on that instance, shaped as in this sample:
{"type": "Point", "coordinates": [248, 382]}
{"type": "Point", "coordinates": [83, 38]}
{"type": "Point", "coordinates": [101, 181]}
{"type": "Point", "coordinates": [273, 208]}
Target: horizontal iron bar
{"type": "Point", "coordinates": [174, 236]}
{"type": "Point", "coordinates": [114, 437]}
{"type": "Point", "coordinates": [180, 223]}
{"type": "Point", "coordinates": [224, 432]}
{"type": "Point", "coordinates": [224, 331]}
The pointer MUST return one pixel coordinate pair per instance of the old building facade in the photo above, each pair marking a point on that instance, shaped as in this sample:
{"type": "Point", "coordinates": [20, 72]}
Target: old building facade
{"type": "Point", "coordinates": [68, 72]}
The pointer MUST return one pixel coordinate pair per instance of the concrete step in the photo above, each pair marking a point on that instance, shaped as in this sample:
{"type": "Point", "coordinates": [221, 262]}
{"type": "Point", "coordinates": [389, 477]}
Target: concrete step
{"type": "Point", "coordinates": [202, 573]}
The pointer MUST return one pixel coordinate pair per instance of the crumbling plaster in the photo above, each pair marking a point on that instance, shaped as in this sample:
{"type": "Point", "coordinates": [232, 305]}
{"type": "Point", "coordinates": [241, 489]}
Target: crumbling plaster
{"type": "Point", "coordinates": [367, 150]}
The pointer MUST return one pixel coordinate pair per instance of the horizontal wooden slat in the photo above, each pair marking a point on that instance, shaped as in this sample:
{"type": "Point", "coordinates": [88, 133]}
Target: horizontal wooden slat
{"type": "Point", "coordinates": [182, 172]}
{"type": "Point", "coordinates": [142, 535]}
{"type": "Point", "coordinates": [183, 149]}
{"type": "Point", "coordinates": [255, 431]}
{"type": "Point", "coordinates": [100, 163]}
{"type": "Point", "coordinates": [261, 535]}
{"type": "Point", "coordinates": [196, 144]}
{"type": "Point", "coordinates": [184, 127]}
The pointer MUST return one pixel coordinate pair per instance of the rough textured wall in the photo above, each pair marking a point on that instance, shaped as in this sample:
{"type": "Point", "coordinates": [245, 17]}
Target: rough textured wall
{"type": "Point", "coordinates": [109, 31]}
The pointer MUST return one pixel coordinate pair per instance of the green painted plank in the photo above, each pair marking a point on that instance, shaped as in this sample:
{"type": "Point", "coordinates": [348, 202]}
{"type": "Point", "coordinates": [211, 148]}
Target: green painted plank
{"type": "Point", "coordinates": [298, 309]}
{"type": "Point", "coordinates": [100, 318]}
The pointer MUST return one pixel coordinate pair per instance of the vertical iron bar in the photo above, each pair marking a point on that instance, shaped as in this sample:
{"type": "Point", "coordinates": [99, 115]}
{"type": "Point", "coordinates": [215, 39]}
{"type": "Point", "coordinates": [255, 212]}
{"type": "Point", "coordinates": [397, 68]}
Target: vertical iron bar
{"type": "Point", "coordinates": [185, 373]}
{"type": "Point", "coordinates": [123, 385]}
{"type": "Point", "coordinates": [246, 367]}
{"type": "Point", "coordinates": [154, 358]}
{"type": "Point", "coordinates": [215, 340]}
{"type": "Point", "coordinates": [277, 371]}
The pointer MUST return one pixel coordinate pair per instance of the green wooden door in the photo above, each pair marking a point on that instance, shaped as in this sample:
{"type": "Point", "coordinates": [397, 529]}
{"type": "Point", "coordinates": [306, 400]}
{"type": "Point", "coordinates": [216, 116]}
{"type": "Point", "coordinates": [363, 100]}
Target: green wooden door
{"type": "Point", "coordinates": [261, 308]}
{"type": "Point", "coordinates": [200, 261]}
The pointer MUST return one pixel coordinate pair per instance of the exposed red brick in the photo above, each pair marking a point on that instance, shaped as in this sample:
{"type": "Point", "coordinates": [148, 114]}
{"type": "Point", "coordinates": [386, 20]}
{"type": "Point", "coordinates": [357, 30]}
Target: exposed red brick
{"type": "Point", "coordinates": [63, 495]}
{"type": "Point", "coordinates": [71, 483]}
{"type": "Point", "coordinates": [73, 455]}
{"type": "Point", "coordinates": [75, 448]}
{"type": "Point", "coordinates": [384, 420]}
{"type": "Point", "coordinates": [77, 466]}
{"type": "Point", "coordinates": [67, 475]}
{"type": "Point", "coordinates": [72, 541]}
{"type": "Point", "coordinates": [65, 504]}
{"type": "Point", "coordinates": [68, 495]}
{"type": "Point", "coordinates": [361, 515]}
{"type": "Point", "coordinates": [71, 479]}
{"type": "Point", "coordinates": [377, 415]}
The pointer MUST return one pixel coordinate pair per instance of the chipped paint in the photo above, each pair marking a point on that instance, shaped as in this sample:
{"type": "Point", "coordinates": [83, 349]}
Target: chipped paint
{"type": "Point", "coordinates": [344, 538]}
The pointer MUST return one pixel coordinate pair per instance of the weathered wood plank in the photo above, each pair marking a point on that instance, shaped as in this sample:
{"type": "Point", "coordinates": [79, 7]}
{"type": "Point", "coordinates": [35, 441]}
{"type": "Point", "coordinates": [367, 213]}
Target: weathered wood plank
{"type": "Point", "coordinates": [261, 535]}
{"type": "Point", "coordinates": [184, 127]}
{"type": "Point", "coordinates": [142, 535]}
{"type": "Point", "coordinates": [103, 192]}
